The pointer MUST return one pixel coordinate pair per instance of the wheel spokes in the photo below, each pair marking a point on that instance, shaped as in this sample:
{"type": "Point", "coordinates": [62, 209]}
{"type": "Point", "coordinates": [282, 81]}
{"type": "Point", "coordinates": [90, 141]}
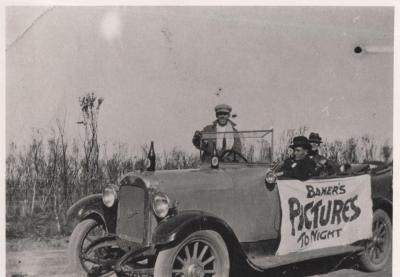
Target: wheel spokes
{"type": "Point", "coordinates": [376, 253]}
{"type": "Point", "coordinates": [381, 227]}
{"type": "Point", "coordinates": [187, 252]}
{"type": "Point", "coordinates": [377, 246]}
{"type": "Point", "coordinates": [180, 260]}
{"type": "Point", "coordinates": [90, 239]}
{"type": "Point", "coordinates": [195, 258]}
{"type": "Point", "coordinates": [203, 252]}
{"type": "Point", "coordinates": [382, 234]}
{"type": "Point", "coordinates": [209, 260]}
{"type": "Point", "coordinates": [371, 249]}
{"type": "Point", "coordinates": [196, 246]}
{"type": "Point", "coordinates": [89, 260]}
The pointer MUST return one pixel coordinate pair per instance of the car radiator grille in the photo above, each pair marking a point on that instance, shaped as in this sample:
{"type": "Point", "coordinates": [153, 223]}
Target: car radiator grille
{"type": "Point", "coordinates": [131, 213]}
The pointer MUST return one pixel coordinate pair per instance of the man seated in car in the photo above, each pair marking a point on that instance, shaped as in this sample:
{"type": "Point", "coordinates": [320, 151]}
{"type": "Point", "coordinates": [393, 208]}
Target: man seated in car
{"type": "Point", "coordinates": [300, 166]}
{"type": "Point", "coordinates": [324, 166]}
{"type": "Point", "coordinates": [226, 136]}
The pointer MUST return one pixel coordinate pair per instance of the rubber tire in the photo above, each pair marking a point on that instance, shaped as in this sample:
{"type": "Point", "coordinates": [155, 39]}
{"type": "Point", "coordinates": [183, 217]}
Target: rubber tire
{"type": "Point", "coordinates": [75, 243]}
{"type": "Point", "coordinates": [165, 257]}
{"type": "Point", "coordinates": [364, 259]}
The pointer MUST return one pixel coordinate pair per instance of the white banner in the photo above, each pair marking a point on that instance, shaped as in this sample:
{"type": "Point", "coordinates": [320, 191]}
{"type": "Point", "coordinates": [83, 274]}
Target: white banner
{"type": "Point", "coordinates": [324, 213]}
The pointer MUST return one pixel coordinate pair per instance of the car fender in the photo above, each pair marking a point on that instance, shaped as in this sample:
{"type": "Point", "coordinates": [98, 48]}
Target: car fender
{"type": "Point", "coordinates": [174, 229]}
{"type": "Point", "coordinates": [91, 207]}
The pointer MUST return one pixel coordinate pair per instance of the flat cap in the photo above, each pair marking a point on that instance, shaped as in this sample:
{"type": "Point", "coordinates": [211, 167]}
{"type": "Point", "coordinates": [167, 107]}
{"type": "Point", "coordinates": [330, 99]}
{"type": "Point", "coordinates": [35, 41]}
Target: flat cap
{"type": "Point", "coordinates": [223, 108]}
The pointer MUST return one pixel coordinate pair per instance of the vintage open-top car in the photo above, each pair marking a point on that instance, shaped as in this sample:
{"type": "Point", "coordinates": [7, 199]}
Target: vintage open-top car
{"type": "Point", "coordinates": [209, 221]}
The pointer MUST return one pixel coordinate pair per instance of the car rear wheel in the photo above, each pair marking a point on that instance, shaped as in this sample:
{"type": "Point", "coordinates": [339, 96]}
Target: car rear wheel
{"type": "Point", "coordinates": [81, 261]}
{"type": "Point", "coordinates": [202, 254]}
{"type": "Point", "coordinates": [377, 250]}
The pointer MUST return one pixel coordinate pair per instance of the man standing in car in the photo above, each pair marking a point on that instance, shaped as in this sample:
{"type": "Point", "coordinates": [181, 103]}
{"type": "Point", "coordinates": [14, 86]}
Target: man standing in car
{"type": "Point", "coordinates": [300, 166]}
{"type": "Point", "coordinates": [224, 134]}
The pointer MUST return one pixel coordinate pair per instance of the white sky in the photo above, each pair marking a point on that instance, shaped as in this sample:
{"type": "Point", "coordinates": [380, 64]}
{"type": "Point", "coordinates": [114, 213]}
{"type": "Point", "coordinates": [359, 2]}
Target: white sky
{"type": "Point", "coordinates": [159, 69]}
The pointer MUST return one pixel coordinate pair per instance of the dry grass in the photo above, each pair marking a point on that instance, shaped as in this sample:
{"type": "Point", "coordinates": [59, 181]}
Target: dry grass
{"type": "Point", "coordinates": [44, 178]}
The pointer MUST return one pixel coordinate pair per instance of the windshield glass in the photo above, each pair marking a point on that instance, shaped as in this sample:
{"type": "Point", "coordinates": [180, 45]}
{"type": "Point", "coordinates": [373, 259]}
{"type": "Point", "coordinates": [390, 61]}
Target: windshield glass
{"type": "Point", "coordinates": [254, 146]}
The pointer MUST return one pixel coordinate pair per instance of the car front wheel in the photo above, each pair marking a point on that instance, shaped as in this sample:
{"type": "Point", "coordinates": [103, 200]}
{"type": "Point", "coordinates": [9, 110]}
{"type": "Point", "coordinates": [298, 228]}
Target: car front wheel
{"type": "Point", "coordinates": [82, 261]}
{"type": "Point", "coordinates": [202, 254]}
{"type": "Point", "coordinates": [377, 250]}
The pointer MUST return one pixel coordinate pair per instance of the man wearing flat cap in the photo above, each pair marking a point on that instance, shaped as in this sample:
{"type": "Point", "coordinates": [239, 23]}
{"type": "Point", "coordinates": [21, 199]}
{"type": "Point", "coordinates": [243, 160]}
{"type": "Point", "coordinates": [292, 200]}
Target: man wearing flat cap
{"type": "Point", "coordinates": [226, 136]}
{"type": "Point", "coordinates": [324, 166]}
{"type": "Point", "coordinates": [300, 166]}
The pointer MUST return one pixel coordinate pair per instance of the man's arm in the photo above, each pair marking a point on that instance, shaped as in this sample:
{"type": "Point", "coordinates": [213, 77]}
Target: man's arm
{"type": "Point", "coordinates": [278, 166]}
{"type": "Point", "coordinates": [202, 144]}
{"type": "Point", "coordinates": [196, 140]}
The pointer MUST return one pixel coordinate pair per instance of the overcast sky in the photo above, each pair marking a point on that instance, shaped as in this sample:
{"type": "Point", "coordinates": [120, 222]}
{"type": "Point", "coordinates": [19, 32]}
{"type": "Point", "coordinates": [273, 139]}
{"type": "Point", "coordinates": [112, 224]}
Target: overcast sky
{"type": "Point", "coordinates": [159, 69]}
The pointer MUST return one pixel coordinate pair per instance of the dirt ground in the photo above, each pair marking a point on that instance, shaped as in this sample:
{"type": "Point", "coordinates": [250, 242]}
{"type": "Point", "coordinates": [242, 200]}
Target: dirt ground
{"type": "Point", "coordinates": [26, 258]}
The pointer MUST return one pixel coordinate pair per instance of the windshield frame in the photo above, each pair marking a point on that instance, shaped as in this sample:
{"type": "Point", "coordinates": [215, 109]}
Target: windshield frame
{"type": "Point", "coordinates": [206, 137]}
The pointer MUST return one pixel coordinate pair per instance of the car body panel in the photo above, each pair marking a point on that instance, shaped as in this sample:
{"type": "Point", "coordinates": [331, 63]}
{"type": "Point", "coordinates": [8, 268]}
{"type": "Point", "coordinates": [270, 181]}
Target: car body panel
{"type": "Point", "coordinates": [382, 183]}
{"type": "Point", "coordinates": [227, 193]}
{"type": "Point", "coordinates": [382, 189]}
{"type": "Point", "coordinates": [267, 262]}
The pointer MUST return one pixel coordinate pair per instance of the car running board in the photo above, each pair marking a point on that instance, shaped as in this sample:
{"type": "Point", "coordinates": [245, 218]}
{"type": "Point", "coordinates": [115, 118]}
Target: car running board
{"type": "Point", "coordinates": [268, 262]}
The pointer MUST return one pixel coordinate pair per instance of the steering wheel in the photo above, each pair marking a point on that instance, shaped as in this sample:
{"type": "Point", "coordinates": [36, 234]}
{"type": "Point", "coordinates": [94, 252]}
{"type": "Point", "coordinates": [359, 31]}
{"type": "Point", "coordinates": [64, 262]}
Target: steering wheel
{"type": "Point", "coordinates": [235, 153]}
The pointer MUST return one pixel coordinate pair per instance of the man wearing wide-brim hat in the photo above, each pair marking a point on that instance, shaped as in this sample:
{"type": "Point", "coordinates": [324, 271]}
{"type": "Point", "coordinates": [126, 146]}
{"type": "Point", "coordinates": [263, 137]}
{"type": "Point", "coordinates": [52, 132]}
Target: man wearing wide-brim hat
{"type": "Point", "coordinates": [300, 166]}
{"type": "Point", "coordinates": [226, 136]}
{"type": "Point", "coordinates": [324, 165]}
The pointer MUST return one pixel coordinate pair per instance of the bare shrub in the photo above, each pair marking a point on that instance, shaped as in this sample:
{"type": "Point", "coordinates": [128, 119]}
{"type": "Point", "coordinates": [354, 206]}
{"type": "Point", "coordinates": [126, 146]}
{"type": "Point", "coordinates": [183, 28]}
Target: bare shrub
{"type": "Point", "coordinates": [118, 164]}
{"type": "Point", "coordinates": [90, 107]}
{"type": "Point", "coordinates": [45, 177]}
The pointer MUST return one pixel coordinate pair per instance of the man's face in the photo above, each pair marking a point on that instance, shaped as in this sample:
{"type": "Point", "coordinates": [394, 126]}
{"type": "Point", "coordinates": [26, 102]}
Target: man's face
{"type": "Point", "coordinates": [300, 153]}
{"type": "Point", "coordinates": [314, 146]}
{"type": "Point", "coordinates": [222, 118]}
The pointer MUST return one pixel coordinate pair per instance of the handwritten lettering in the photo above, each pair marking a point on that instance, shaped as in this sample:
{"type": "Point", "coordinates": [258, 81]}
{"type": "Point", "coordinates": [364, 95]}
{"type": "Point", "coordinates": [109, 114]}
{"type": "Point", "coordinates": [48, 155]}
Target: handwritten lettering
{"type": "Point", "coordinates": [328, 190]}
{"type": "Point", "coordinates": [308, 237]}
{"type": "Point", "coordinates": [314, 214]}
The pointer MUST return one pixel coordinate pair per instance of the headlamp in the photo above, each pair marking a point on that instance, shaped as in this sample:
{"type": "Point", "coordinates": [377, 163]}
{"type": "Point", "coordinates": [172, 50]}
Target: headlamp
{"type": "Point", "coordinates": [110, 195]}
{"type": "Point", "coordinates": [161, 204]}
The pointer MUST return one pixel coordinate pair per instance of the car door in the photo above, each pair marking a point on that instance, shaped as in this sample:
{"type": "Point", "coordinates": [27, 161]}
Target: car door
{"type": "Point", "coordinates": [257, 206]}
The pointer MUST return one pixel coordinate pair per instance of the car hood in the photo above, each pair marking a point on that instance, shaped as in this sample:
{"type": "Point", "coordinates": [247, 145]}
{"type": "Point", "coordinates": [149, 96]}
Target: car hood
{"type": "Point", "coordinates": [193, 181]}
{"type": "Point", "coordinates": [175, 182]}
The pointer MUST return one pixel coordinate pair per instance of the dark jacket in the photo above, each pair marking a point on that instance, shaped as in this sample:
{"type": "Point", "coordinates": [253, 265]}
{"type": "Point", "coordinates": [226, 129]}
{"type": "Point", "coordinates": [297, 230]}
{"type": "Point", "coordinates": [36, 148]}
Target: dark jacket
{"type": "Point", "coordinates": [299, 169]}
{"type": "Point", "coordinates": [324, 166]}
{"type": "Point", "coordinates": [206, 145]}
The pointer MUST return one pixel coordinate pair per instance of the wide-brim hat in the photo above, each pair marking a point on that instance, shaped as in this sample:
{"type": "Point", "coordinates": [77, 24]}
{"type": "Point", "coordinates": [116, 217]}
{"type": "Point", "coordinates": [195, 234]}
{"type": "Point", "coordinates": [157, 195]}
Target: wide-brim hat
{"type": "Point", "coordinates": [223, 108]}
{"type": "Point", "coordinates": [300, 141]}
{"type": "Point", "coordinates": [314, 137]}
